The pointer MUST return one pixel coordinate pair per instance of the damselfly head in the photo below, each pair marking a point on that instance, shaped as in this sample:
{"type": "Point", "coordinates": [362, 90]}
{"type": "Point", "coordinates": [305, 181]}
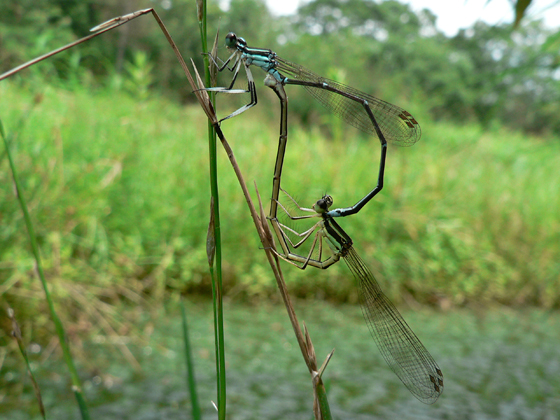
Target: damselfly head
{"type": "Point", "coordinates": [232, 41]}
{"type": "Point", "coordinates": [322, 205]}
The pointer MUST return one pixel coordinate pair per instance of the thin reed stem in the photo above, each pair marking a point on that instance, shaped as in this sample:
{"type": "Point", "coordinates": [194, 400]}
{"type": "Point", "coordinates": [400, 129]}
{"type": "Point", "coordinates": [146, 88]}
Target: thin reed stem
{"type": "Point", "coordinates": [217, 289]}
{"type": "Point", "coordinates": [76, 384]}
{"type": "Point", "coordinates": [191, 379]}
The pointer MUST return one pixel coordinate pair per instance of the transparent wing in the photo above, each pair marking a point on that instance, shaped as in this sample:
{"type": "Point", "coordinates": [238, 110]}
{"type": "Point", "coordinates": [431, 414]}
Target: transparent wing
{"type": "Point", "coordinates": [401, 349]}
{"type": "Point", "coordinates": [397, 125]}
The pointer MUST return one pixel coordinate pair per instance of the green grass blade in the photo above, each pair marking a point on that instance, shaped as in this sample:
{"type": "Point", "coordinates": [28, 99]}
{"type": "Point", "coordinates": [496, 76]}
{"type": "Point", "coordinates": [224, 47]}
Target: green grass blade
{"type": "Point", "coordinates": [191, 379]}
{"type": "Point", "coordinates": [16, 333]}
{"type": "Point", "coordinates": [217, 279]}
{"type": "Point", "coordinates": [76, 385]}
{"type": "Point", "coordinates": [324, 402]}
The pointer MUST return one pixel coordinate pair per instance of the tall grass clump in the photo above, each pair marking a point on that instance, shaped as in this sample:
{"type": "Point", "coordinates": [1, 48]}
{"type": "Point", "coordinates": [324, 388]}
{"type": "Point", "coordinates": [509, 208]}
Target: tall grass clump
{"type": "Point", "coordinates": [465, 214]}
{"type": "Point", "coordinates": [21, 197]}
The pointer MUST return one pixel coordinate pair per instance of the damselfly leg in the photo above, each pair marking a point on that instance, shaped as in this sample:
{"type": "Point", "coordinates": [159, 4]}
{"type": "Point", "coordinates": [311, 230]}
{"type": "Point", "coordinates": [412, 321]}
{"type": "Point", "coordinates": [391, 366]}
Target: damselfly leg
{"type": "Point", "coordinates": [400, 347]}
{"type": "Point", "coordinates": [317, 231]}
{"type": "Point", "coordinates": [388, 122]}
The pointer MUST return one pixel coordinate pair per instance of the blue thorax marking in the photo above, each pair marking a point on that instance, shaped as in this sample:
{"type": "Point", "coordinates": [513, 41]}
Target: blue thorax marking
{"type": "Point", "coordinates": [265, 59]}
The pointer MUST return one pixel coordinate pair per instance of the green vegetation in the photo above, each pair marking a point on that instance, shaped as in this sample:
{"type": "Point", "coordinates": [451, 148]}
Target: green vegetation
{"type": "Point", "coordinates": [113, 166]}
{"type": "Point", "coordinates": [484, 74]}
{"type": "Point", "coordinates": [118, 191]}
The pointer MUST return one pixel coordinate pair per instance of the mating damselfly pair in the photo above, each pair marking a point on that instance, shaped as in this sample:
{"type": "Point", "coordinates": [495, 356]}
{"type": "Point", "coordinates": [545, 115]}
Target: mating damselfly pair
{"type": "Point", "coordinates": [401, 349]}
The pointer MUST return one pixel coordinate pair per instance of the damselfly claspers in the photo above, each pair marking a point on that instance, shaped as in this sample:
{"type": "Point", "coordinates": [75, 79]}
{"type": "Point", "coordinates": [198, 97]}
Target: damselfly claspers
{"type": "Point", "coordinates": [389, 122]}
{"type": "Point", "coordinates": [402, 350]}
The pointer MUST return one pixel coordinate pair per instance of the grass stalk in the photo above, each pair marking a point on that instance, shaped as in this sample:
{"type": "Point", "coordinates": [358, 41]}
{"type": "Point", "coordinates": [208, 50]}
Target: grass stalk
{"type": "Point", "coordinates": [99, 29]}
{"type": "Point", "coordinates": [207, 102]}
{"type": "Point", "coordinates": [16, 333]}
{"type": "Point", "coordinates": [76, 385]}
{"type": "Point", "coordinates": [320, 403]}
{"type": "Point", "coordinates": [217, 289]}
{"type": "Point", "coordinates": [217, 275]}
{"type": "Point", "coordinates": [191, 379]}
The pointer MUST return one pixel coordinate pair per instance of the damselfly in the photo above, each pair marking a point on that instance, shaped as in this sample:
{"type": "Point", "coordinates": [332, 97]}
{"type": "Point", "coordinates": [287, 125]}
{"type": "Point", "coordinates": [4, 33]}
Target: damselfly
{"type": "Point", "coordinates": [389, 122]}
{"type": "Point", "coordinates": [401, 349]}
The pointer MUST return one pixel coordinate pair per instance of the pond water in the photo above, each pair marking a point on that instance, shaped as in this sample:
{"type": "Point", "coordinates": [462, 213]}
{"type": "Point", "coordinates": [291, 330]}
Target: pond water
{"type": "Point", "coordinates": [497, 364]}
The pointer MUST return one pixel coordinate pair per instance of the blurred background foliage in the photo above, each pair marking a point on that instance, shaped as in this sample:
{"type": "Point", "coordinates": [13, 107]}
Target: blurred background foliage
{"type": "Point", "coordinates": [111, 154]}
{"type": "Point", "coordinates": [118, 187]}
{"type": "Point", "coordinates": [484, 74]}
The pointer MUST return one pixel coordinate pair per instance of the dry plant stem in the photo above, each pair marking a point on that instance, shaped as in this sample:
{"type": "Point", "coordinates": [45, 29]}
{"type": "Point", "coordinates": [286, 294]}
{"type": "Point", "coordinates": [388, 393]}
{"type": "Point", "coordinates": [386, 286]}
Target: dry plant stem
{"type": "Point", "coordinates": [217, 292]}
{"type": "Point", "coordinates": [16, 333]}
{"type": "Point", "coordinates": [265, 236]}
{"type": "Point", "coordinates": [260, 222]}
{"type": "Point", "coordinates": [220, 359]}
{"type": "Point", "coordinates": [262, 229]}
{"type": "Point", "coordinates": [104, 27]}
{"type": "Point", "coordinates": [100, 29]}
{"type": "Point", "coordinates": [305, 345]}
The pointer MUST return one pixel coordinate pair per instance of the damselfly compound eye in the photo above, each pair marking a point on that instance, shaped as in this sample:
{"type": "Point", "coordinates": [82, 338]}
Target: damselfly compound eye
{"type": "Point", "coordinates": [231, 40]}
